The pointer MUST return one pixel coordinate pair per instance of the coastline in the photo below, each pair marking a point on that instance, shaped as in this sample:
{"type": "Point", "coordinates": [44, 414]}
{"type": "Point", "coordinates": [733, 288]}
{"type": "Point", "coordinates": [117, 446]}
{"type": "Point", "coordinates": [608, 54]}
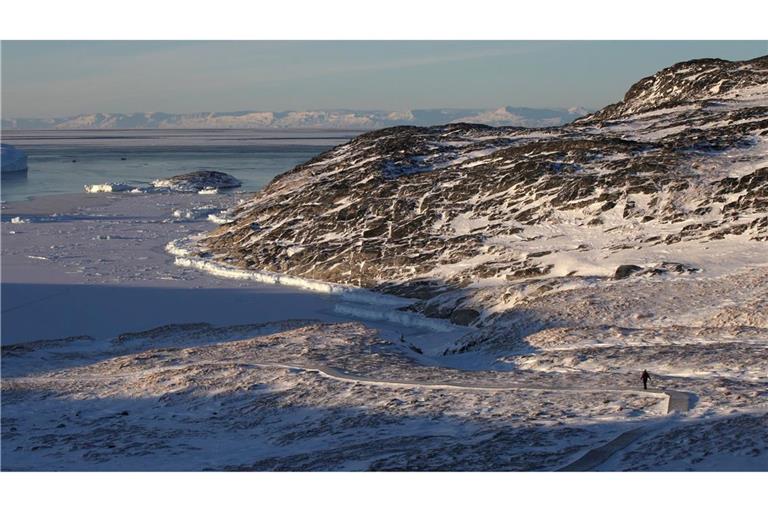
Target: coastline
{"type": "Point", "coordinates": [93, 264]}
{"type": "Point", "coordinates": [97, 265]}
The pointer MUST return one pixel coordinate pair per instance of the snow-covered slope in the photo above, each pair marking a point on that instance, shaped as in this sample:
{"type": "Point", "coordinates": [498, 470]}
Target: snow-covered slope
{"type": "Point", "coordinates": [476, 222]}
{"type": "Point", "coordinates": [304, 395]}
{"type": "Point", "coordinates": [315, 119]}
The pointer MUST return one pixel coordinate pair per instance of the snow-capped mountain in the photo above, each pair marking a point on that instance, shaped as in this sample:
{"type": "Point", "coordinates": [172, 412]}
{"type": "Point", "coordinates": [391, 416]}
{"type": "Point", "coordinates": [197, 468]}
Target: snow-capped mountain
{"type": "Point", "coordinates": [480, 223]}
{"type": "Point", "coordinates": [316, 119]}
{"type": "Point", "coordinates": [526, 117]}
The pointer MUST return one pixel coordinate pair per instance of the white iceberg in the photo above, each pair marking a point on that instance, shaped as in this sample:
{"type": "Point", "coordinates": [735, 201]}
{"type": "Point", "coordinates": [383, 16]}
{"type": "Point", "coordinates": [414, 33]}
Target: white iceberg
{"type": "Point", "coordinates": [200, 212]}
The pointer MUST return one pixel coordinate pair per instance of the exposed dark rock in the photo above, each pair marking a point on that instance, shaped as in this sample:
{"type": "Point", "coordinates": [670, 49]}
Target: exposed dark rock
{"type": "Point", "coordinates": [624, 271]}
{"type": "Point", "coordinates": [695, 80]}
{"type": "Point", "coordinates": [464, 316]}
{"type": "Point", "coordinates": [428, 213]}
{"type": "Point", "coordinates": [198, 180]}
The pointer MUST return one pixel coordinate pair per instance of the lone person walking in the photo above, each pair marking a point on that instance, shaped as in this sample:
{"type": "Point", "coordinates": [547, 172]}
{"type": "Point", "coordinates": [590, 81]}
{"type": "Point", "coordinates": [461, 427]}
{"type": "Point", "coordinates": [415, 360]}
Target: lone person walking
{"type": "Point", "coordinates": [645, 378]}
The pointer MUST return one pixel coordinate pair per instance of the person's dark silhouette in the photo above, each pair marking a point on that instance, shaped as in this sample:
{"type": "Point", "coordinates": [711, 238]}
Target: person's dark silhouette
{"type": "Point", "coordinates": [645, 377]}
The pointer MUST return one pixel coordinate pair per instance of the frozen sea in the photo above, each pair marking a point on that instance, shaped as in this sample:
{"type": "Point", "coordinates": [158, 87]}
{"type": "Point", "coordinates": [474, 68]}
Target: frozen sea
{"type": "Point", "coordinates": [96, 264]}
{"type": "Point", "coordinates": [64, 161]}
{"type": "Point", "coordinates": [46, 262]}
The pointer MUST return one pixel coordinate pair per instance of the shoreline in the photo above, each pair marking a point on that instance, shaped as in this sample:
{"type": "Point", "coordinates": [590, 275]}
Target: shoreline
{"type": "Point", "coordinates": [93, 264]}
{"type": "Point", "coordinates": [97, 265]}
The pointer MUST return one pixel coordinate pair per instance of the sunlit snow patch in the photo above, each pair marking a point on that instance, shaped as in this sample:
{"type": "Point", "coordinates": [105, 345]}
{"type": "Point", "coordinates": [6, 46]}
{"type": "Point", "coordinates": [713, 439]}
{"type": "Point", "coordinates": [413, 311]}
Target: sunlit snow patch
{"type": "Point", "coordinates": [108, 187]}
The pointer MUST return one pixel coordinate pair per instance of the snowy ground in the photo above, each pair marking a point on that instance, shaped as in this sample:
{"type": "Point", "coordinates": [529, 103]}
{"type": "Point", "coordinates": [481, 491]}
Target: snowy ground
{"type": "Point", "coordinates": [266, 377]}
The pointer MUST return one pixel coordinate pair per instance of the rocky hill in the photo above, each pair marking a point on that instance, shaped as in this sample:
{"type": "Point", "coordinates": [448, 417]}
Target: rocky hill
{"type": "Point", "coordinates": [480, 223]}
{"type": "Point", "coordinates": [688, 82]}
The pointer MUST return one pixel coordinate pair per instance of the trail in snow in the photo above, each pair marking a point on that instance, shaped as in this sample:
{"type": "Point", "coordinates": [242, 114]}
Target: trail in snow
{"type": "Point", "coordinates": [676, 401]}
{"type": "Point", "coordinates": [593, 458]}
{"type": "Point", "coordinates": [680, 399]}
{"type": "Point", "coordinates": [335, 373]}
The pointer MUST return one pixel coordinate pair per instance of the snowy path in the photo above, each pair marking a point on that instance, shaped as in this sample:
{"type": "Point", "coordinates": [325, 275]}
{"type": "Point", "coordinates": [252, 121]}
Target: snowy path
{"type": "Point", "coordinates": [677, 401]}
{"type": "Point", "coordinates": [593, 458]}
{"type": "Point", "coordinates": [337, 374]}
{"type": "Point", "coordinates": [681, 399]}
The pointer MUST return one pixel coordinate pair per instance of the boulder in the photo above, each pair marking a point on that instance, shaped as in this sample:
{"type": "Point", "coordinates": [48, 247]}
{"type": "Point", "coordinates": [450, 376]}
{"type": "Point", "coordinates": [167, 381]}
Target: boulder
{"type": "Point", "coordinates": [464, 316]}
{"type": "Point", "coordinates": [624, 271]}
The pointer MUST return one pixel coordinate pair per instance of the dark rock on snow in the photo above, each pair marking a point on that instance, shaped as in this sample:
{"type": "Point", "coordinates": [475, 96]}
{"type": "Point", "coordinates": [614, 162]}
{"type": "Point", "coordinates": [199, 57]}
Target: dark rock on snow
{"type": "Point", "coordinates": [431, 212]}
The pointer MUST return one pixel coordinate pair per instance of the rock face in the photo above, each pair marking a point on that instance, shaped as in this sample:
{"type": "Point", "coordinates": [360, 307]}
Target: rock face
{"type": "Point", "coordinates": [687, 82]}
{"type": "Point", "coordinates": [624, 271]}
{"type": "Point", "coordinates": [463, 316]}
{"type": "Point", "coordinates": [467, 216]}
{"type": "Point", "coordinates": [13, 159]}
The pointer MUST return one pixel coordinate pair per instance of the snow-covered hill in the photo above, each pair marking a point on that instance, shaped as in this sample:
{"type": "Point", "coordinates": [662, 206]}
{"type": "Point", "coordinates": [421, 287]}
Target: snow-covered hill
{"type": "Point", "coordinates": [315, 119]}
{"type": "Point", "coordinates": [481, 223]}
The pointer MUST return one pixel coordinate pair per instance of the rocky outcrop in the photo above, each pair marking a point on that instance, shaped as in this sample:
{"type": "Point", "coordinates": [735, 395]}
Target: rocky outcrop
{"type": "Point", "coordinates": [201, 182]}
{"type": "Point", "coordinates": [624, 271]}
{"type": "Point", "coordinates": [197, 181]}
{"type": "Point", "coordinates": [496, 216]}
{"type": "Point", "coordinates": [688, 82]}
{"type": "Point", "coordinates": [464, 316]}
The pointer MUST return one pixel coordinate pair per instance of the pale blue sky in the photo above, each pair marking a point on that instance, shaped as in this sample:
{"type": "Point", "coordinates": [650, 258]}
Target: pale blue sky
{"type": "Point", "coordinates": [50, 78]}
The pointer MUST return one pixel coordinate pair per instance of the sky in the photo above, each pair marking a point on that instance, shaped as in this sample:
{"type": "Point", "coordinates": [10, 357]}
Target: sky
{"type": "Point", "coordinates": [61, 78]}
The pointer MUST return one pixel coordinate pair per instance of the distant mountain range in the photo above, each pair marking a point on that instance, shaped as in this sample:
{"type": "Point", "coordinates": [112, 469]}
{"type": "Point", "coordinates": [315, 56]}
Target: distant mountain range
{"type": "Point", "coordinates": [344, 119]}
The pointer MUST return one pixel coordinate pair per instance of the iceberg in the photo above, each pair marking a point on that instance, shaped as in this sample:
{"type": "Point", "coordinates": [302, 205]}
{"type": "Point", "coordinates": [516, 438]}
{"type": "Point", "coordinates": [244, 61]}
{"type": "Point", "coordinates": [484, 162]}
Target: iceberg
{"type": "Point", "coordinates": [108, 187]}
